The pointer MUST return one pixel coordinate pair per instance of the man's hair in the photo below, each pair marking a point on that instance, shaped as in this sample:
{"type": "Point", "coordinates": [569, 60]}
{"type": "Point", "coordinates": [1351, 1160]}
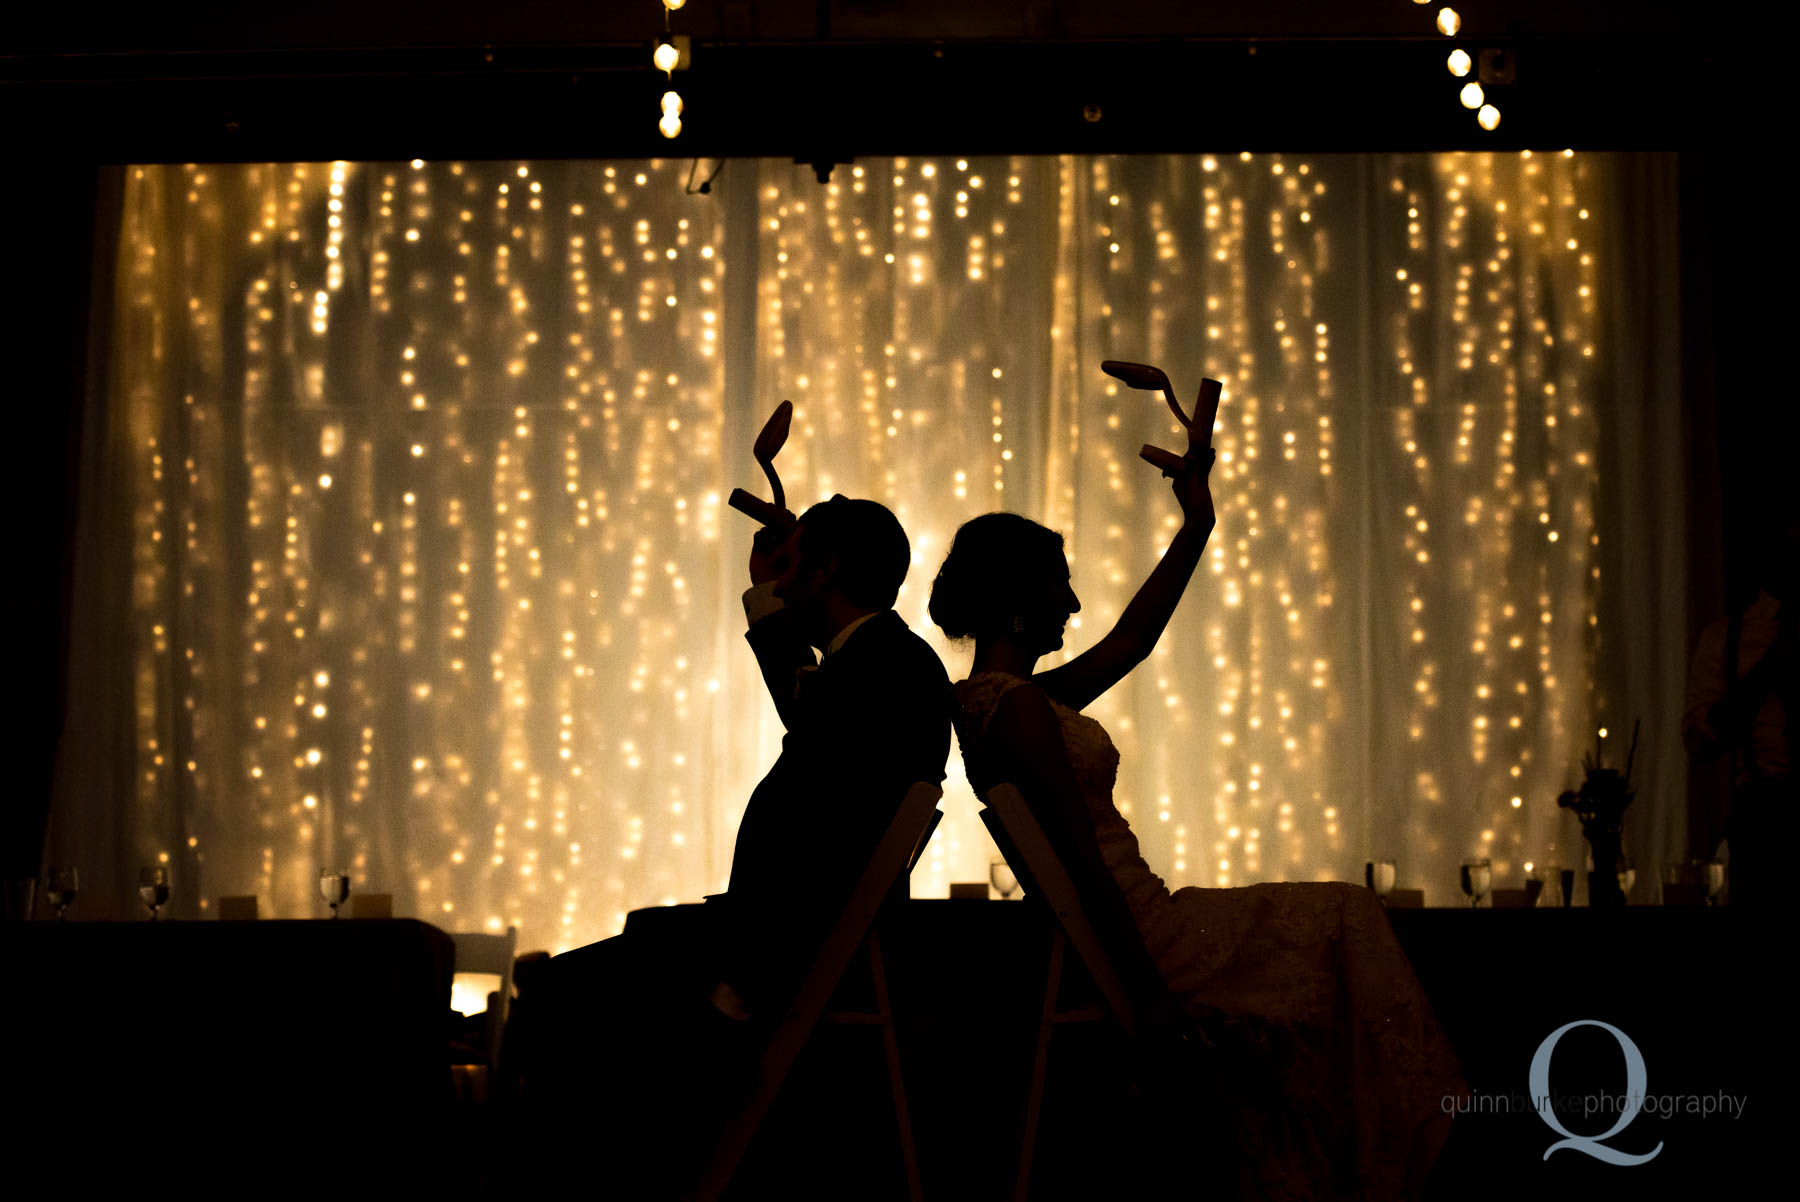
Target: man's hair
{"type": "Point", "coordinates": [866, 540]}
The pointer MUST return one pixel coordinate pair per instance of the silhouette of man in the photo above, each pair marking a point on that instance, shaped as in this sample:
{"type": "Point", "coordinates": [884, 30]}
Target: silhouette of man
{"type": "Point", "coordinates": [864, 723]}
{"type": "Point", "coordinates": [645, 1022]}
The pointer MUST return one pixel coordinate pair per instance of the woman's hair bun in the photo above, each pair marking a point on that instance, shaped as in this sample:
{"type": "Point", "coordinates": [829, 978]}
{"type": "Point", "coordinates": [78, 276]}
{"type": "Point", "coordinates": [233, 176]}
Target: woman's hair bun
{"type": "Point", "coordinates": [996, 565]}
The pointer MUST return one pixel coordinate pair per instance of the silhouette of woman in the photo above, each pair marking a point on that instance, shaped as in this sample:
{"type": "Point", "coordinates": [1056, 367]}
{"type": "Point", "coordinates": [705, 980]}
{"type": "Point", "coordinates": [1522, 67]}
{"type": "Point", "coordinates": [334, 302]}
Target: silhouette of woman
{"type": "Point", "coordinates": [1344, 1094]}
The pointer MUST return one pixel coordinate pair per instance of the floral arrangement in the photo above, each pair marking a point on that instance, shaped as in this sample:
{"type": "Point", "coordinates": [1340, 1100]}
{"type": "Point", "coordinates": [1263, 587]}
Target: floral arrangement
{"type": "Point", "coordinates": [1600, 803]}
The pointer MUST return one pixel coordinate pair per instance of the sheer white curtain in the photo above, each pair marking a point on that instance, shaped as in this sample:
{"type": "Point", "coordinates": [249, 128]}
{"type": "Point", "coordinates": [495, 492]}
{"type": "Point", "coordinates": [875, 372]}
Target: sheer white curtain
{"type": "Point", "coordinates": [403, 545]}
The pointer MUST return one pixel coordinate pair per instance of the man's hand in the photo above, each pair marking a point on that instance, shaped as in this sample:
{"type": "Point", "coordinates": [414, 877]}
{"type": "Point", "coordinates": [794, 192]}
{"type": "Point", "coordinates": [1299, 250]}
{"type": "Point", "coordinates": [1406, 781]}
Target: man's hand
{"type": "Point", "coordinates": [769, 552]}
{"type": "Point", "coordinates": [1192, 490]}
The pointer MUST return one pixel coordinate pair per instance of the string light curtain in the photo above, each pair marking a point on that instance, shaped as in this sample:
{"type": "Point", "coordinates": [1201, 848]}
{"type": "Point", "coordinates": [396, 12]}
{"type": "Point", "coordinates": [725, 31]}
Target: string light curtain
{"type": "Point", "coordinates": [404, 548]}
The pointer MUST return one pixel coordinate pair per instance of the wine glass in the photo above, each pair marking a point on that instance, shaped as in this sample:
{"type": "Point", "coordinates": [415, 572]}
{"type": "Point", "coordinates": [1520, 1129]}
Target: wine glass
{"type": "Point", "coordinates": [1677, 881]}
{"type": "Point", "coordinates": [62, 884]}
{"type": "Point", "coordinates": [153, 887]}
{"type": "Point", "coordinates": [1000, 875]}
{"type": "Point", "coordinates": [1379, 875]}
{"type": "Point", "coordinates": [334, 887]}
{"type": "Point", "coordinates": [1477, 876]}
{"type": "Point", "coordinates": [1551, 876]}
{"type": "Point", "coordinates": [1627, 873]}
{"type": "Point", "coordinates": [1712, 879]}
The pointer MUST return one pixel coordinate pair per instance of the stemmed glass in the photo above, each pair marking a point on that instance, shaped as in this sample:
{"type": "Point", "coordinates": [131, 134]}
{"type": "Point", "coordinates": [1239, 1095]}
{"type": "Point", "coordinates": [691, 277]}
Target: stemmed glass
{"type": "Point", "coordinates": [1000, 875]}
{"type": "Point", "coordinates": [1477, 876]}
{"type": "Point", "coordinates": [62, 884]}
{"type": "Point", "coordinates": [1712, 880]}
{"type": "Point", "coordinates": [334, 887]}
{"type": "Point", "coordinates": [153, 887]}
{"type": "Point", "coordinates": [1379, 875]}
{"type": "Point", "coordinates": [1551, 876]}
{"type": "Point", "coordinates": [1627, 872]}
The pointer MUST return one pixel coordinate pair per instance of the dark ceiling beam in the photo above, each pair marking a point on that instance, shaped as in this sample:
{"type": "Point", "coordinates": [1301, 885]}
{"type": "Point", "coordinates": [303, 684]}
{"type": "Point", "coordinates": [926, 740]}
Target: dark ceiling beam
{"type": "Point", "coordinates": [233, 26]}
{"type": "Point", "coordinates": [846, 99]}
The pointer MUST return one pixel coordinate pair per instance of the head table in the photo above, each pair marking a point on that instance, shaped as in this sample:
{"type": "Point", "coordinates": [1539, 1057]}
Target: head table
{"type": "Point", "coordinates": [1699, 992]}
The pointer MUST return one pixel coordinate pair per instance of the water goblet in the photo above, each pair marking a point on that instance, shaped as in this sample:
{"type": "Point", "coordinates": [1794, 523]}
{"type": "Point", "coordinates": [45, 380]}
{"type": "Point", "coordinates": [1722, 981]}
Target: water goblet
{"type": "Point", "coordinates": [1627, 872]}
{"type": "Point", "coordinates": [1678, 882]}
{"type": "Point", "coordinates": [153, 887]}
{"type": "Point", "coordinates": [1712, 880]}
{"type": "Point", "coordinates": [1000, 875]}
{"type": "Point", "coordinates": [1477, 877]}
{"type": "Point", "coordinates": [1549, 887]}
{"type": "Point", "coordinates": [62, 884]}
{"type": "Point", "coordinates": [334, 887]}
{"type": "Point", "coordinates": [1379, 875]}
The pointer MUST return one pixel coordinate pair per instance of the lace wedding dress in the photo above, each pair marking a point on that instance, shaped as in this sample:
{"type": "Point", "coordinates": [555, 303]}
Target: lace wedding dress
{"type": "Point", "coordinates": [1340, 1085]}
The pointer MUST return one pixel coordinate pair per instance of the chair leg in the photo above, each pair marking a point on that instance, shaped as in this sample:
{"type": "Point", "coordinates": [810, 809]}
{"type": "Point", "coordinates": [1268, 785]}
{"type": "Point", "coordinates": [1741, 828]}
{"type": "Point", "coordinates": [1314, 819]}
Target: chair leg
{"type": "Point", "coordinates": [741, 1129]}
{"type": "Point", "coordinates": [1034, 1100]}
{"type": "Point", "coordinates": [772, 1073]}
{"type": "Point", "coordinates": [891, 1045]}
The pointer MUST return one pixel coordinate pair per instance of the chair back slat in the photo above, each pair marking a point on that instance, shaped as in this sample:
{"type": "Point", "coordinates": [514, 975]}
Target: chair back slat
{"type": "Point", "coordinates": [480, 952]}
{"type": "Point", "coordinates": [899, 847]}
{"type": "Point", "coordinates": [1028, 852]}
{"type": "Point", "coordinates": [903, 835]}
{"type": "Point", "coordinates": [931, 826]}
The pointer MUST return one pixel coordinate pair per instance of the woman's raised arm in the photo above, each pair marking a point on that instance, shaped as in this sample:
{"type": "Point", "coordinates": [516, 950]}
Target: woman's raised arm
{"type": "Point", "coordinates": [1077, 683]}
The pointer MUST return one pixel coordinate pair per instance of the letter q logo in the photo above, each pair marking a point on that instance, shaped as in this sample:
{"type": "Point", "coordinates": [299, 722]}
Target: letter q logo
{"type": "Point", "coordinates": [1635, 1077]}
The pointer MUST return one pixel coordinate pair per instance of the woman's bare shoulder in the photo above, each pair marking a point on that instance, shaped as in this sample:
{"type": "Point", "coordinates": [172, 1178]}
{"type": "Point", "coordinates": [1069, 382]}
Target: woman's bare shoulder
{"type": "Point", "coordinates": [985, 694]}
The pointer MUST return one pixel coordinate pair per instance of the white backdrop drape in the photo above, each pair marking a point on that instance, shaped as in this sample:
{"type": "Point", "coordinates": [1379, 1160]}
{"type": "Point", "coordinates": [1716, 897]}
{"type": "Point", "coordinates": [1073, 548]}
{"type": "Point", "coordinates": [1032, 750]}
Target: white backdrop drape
{"type": "Point", "coordinates": [403, 545]}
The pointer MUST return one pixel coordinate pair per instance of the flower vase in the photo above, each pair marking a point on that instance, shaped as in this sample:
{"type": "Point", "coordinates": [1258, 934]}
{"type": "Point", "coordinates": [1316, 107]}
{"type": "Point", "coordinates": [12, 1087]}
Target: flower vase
{"type": "Point", "coordinates": [1600, 804]}
{"type": "Point", "coordinates": [1603, 881]}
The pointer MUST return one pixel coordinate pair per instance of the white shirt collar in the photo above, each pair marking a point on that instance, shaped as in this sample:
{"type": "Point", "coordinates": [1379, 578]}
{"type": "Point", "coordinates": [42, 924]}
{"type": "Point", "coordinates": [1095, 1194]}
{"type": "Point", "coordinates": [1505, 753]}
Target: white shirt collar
{"type": "Point", "coordinates": [843, 636]}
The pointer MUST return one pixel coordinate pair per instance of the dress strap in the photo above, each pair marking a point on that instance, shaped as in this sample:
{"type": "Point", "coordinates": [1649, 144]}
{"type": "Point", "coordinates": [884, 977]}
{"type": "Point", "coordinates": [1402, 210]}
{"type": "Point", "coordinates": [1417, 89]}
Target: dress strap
{"type": "Point", "coordinates": [978, 697]}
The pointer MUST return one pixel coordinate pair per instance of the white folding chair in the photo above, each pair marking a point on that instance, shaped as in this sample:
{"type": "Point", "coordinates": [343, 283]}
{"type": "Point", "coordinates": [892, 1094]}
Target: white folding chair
{"type": "Point", "coordinates": [898, 850]}
{"type": "Point", "coordinates": [1022, 841]}
{"type": "Point", "coordinates": [484, 953]}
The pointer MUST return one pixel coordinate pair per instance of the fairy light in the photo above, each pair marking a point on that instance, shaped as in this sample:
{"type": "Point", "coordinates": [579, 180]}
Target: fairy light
{"type": "Point", "coordinates": [1471, 95]}
{"type": "Point", "coordinates": [489, 675]}
{"type": "Point", "coordinates": [666, 57]}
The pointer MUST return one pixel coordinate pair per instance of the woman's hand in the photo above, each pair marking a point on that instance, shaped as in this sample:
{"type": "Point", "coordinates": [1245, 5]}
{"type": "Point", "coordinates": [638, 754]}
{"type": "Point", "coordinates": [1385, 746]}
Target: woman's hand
{"type": "Point", "coordinates": [1192, 490]}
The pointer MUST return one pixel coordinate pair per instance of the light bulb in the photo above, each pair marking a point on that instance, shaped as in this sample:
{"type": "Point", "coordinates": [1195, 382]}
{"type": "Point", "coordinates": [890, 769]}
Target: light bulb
{"type": "Point", "coordinates": [1448, 22]}
{"type": "Point", "coordinates": [1489, 116]}
{"type": "Point", "coordinates": [670, 125]}
{"type": "Point", "coordinates": [671, 103]}
{"type": "Point", "coordinates": [1459, 62]}
{"type": "Point", "coordinates": [672, 5]}
{"type": "Point", "coordinates": [666, 56]}
{"type": "Point", "coordinates": [1471, 95]}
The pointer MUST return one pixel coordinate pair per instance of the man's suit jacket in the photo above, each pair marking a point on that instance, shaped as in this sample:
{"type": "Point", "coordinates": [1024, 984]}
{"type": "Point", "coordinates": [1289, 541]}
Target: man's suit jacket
{"type": "Point", "coordinates": [868, 722]}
